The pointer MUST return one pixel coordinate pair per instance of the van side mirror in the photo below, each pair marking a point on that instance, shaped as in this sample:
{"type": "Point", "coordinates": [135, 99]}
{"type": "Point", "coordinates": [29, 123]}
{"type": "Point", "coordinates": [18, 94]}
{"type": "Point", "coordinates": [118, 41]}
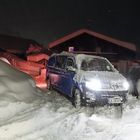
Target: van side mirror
{"type": "Point", "coordinates": [115, 69]}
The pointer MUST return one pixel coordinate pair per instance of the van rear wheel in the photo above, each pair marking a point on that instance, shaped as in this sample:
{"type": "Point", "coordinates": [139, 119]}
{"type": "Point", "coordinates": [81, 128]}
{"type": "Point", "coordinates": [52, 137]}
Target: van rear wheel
{"type": "Point", "coordinates": [49, 86]}
{"type": "Point", "coordinates": [77, 99]}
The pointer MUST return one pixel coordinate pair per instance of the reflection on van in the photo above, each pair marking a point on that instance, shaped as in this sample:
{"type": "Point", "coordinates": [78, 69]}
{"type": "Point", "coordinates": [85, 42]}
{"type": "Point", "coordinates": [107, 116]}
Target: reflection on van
{"type": "Point", "coordinates": [87, 79]}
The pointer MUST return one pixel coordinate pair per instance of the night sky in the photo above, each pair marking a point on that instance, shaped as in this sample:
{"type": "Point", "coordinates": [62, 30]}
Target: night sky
{"type": "Point", "coordinates": [47, 20]}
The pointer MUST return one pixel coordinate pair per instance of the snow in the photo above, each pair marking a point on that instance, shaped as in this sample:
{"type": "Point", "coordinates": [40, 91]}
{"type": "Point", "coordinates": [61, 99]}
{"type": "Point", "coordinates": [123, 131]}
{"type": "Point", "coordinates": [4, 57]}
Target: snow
{"type": "Point", "coordinates": [26, 113]}
{"type": "Point", "coordinates": [15, 85]}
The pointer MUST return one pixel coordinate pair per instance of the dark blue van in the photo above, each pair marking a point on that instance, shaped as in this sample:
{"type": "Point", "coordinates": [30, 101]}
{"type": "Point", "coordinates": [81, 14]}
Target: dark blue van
{"type": "Point", "coordinates": [87, 79]}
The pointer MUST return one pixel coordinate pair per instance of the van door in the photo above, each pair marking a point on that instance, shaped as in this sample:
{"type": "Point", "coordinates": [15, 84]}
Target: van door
{"type": "Point", "coordinates": [68, 78]}
{"type": "Point", "coordinates": [60, 72]}
{"type": "Point", "coordinates": [51, 69]}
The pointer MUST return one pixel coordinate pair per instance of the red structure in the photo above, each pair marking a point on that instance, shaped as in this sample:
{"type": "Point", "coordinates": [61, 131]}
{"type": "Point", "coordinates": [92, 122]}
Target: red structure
{"type": "Point", "coordinates": [30, 58]}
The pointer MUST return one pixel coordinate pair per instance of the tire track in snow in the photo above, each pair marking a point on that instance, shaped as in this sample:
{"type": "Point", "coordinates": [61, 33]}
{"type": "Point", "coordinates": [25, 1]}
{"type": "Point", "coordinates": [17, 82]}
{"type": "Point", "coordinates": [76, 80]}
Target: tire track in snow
{"type": "Point", "coordinates": [41, 129]}
{"type": "Point", "coordinates": [25, 114]}
{"type": "Point", "coordinates": [59, 108]}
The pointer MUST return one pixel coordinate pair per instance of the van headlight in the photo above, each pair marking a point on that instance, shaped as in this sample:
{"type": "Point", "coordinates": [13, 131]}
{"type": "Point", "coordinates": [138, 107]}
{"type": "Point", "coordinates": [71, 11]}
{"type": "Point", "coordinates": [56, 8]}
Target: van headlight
{"type": "Point", "coordinates": [125, 85]}
{"type": "Point", "coordinates": [94, 84]}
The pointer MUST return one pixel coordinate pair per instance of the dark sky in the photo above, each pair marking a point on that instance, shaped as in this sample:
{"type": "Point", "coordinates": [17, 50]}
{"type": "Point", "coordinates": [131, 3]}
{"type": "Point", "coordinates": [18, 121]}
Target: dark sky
{"type": "Point", "coordinates": [47, 20]}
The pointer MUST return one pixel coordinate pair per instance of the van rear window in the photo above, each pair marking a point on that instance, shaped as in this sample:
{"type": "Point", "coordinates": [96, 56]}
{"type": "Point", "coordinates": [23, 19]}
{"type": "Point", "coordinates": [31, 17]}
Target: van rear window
{"type": "Point", "coordinates": [51, 61]}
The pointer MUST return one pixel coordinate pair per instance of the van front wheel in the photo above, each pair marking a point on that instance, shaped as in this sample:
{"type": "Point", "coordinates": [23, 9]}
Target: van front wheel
{"type": "Point", "coordinates": [118, 111]}
{"type": "Point", "coordinates": [77, 99]}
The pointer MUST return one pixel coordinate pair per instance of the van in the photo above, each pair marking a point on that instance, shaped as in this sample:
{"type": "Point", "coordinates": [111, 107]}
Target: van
{"type": "Point", "coordinates": [86, 79]}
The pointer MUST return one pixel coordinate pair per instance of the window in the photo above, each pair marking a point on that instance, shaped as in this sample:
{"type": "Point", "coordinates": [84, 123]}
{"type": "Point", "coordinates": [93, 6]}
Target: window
{"type": "Point", "coordinates": [51, 61]}
{"type": "Point", "coordinates": [70, 63]}
{"type": "Point", "coordinates": [60, 62]}
{"type": "Point", "coordinates": [96, 64]}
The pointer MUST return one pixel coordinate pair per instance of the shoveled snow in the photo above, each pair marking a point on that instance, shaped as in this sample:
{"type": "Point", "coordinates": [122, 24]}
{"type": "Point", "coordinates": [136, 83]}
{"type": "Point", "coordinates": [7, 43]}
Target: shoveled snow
{"type": "Point", "coordinates": [26, 113]}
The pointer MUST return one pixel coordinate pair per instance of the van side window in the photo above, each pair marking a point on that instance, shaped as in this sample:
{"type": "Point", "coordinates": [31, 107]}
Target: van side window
{"type": "Point", "coordinates": [60, 62]}
{"type": "Point", "coordinates": [51, 61]}
{"type": "Point", "coordinates": [84, 65]}
{"type": "Point", "coordinates": [70, 62]}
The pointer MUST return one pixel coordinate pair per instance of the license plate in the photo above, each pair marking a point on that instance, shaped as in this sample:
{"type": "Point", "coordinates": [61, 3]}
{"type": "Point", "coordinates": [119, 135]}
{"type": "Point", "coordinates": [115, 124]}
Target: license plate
{"type": "Point", "coordinates": [115, 100]}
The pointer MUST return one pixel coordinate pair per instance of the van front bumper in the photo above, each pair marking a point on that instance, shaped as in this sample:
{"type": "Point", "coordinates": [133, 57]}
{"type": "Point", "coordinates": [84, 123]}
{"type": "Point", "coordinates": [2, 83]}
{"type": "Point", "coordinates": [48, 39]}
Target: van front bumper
{"type": "Point", "coordinates": [105, 97]}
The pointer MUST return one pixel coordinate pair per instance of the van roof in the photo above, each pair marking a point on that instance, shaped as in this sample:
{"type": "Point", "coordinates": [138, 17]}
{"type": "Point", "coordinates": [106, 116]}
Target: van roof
{"type": "Point", "coordinates": [75, 54]}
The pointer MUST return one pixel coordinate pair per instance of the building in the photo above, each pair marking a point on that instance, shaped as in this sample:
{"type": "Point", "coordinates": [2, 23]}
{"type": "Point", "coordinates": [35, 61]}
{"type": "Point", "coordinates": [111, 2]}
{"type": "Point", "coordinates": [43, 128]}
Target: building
{"type": "Point", "coordinates": [122, 54]}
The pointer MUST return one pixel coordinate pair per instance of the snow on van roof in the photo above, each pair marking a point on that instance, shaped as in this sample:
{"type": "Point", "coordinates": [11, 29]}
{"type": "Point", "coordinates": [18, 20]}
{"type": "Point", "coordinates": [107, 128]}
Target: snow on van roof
{"type": "Point", "coordinates": [76, 54]}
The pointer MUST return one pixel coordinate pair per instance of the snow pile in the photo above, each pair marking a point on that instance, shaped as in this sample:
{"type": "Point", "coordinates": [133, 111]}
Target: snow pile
{"type": "Point", "coordinates": [17, 90]}
{"type": "Point", "coordinates": [15, 85]}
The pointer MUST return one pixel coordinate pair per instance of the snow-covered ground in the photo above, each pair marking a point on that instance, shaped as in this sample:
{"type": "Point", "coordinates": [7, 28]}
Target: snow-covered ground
{"type": "Point", "coordinates": [26, 113]}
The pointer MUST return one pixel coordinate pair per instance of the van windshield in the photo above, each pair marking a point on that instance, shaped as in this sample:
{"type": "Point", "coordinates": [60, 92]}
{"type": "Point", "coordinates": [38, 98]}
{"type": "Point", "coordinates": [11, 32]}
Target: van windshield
{"type": "Point", "coordinates": [96, 64]}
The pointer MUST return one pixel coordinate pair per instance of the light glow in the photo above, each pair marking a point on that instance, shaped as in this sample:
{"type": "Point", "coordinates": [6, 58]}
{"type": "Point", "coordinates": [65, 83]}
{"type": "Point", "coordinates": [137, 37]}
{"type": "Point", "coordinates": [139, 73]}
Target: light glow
{"type": "Point", "coordinates": [126, 85]}
{"type": "Point", "coordinates": [94, 84]}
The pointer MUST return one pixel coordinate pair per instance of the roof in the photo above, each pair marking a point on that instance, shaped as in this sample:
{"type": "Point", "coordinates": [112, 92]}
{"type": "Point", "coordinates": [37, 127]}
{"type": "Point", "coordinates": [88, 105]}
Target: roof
{"type": "Point", "coordinates": [15, 44]}
{"type": "Point", "coordinates": [124, 44]}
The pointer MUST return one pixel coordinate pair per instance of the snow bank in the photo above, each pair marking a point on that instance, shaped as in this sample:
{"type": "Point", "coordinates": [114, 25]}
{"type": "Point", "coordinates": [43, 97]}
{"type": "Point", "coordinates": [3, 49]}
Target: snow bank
{"type": "Point", "coordinates": [17, 90]}
{"type": "Point", "coordinates": [15, 85]}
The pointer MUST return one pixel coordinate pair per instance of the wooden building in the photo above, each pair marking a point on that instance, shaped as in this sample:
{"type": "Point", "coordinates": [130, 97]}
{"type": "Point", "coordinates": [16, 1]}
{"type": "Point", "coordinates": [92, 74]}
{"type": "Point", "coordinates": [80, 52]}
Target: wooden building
{"type": "Point", "coordinates": [121, 54]}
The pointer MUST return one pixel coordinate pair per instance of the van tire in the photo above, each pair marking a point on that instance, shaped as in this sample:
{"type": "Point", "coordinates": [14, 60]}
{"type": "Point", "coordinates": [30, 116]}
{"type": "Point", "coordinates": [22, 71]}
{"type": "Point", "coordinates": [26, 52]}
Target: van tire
{"type": "Point", "coordinates": [77, 99]}
{"type": "Point", "coordinates": [138, 88]}
{"type": "Point", "coordinates": [118, 110]}
{"type": "Point", "coordinates": [49, 85]}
